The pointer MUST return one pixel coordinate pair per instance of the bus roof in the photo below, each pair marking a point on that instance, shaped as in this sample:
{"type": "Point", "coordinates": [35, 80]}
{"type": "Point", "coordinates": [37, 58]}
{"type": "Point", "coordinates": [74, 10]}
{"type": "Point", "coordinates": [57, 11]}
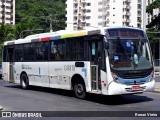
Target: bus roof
{"type": "Point", "coordinates": [53, 36]}
{"type": "Point", "coordinates": [61, 34]}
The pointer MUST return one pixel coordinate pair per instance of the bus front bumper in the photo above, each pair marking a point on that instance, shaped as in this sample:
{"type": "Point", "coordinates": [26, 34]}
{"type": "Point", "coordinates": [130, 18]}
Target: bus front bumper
{"type": "Point", "coordinates": [118, 89]}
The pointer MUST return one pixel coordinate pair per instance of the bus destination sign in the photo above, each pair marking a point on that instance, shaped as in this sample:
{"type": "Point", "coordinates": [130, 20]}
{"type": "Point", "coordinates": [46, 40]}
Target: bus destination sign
{"type": "Point", "coordinates": [125, 33]}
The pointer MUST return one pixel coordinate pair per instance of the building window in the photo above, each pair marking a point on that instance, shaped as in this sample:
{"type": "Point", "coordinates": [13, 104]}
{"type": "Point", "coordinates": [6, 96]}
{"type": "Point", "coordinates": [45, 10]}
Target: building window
{"type": "Point", "coordinates": [88, 11]}
{"type": "Point", "coordinates": [99, 17]}
{"type": "Point", "coordinates": [99, 3]}
{"type": "Point", "coordinates": [87, 24]}
{"type": "Point", "coordinates": [100, 10]}
{"type": "Point", "coordinates": [88, 17]}
{"type": "Point", "coordinates": [100, 23]}
{"type": "Point", "coordinates": [88, 4]}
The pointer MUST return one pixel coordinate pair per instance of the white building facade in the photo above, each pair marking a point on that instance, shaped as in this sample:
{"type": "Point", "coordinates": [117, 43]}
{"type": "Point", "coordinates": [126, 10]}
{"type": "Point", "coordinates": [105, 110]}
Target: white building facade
{"type": "Point", "coordinates": [7, 12]}
{"type": "Point", "coordinates": [82, 14]}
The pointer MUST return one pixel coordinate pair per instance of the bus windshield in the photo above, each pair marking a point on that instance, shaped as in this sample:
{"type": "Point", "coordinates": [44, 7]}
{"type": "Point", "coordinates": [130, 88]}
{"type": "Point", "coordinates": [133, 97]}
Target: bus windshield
{"type": "Point", "coordinates": [129, 54]}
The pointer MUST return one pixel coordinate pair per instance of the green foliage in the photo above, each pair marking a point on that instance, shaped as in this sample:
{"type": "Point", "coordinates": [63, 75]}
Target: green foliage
{"type": "Point", "coordinates": [155, 23]}
{"type": "Point", "coordinates": [37, 14]}
{"type": "Point", "coordinates": [32, 15]}
{"type": "Point", "coordinates": [154, 5]}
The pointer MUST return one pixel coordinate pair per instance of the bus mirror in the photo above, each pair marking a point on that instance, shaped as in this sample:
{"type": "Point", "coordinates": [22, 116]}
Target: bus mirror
{"type": "Point", "coordinates": [106, 45]}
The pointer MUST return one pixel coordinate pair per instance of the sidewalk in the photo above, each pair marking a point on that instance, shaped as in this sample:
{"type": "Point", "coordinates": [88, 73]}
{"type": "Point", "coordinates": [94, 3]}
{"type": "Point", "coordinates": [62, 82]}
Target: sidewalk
{"type": "Point", "coordinates": [157, 87]}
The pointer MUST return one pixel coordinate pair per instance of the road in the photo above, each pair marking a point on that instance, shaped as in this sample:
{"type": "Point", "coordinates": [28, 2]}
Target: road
{"type": "Point", "coordinates": [13, 98]}
{"type": "Point", "coordinates": [157, 79]}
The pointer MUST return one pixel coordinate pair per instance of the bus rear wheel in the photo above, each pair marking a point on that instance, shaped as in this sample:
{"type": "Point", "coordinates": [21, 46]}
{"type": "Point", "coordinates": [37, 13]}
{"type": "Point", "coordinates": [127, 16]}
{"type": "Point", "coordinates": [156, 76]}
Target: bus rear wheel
{"type": "Point", "coordinates": [79, 89]}
{"type": "Point", "coordinates": [24, 81]}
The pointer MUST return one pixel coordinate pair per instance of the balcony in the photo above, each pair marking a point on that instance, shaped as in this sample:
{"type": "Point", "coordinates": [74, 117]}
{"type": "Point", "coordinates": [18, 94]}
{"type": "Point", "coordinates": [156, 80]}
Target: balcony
{"type": "Point", "coordinates": [127, 7]}
{"type": "Point", "coordinates": [126, 20]}
{"type": "Point", "coordinates": [139, 2]}
{"type": "Point", "coordinates": [75, 1]}
{"type": "Point", "coordinates": [83, 1]}
{"type": "Point", "coordinates": [139, 20]}
{"type": "Point", "coordinates": [139, 7]}
{"type": "Point", "coordinates": [139, 15]}
{"type": "Point", "coordinates": [127, 1]}
{"type": "Point", "coordinates": [126, 13]}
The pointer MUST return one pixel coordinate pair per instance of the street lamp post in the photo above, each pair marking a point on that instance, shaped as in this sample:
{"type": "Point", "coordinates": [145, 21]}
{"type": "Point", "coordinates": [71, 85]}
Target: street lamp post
{"type": "Point", "coordinates": [21, 34]}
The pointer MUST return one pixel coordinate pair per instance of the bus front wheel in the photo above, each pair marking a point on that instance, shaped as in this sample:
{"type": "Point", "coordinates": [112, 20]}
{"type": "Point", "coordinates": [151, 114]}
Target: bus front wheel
{"type": "Point", "coordinates": [79, 89]}
{"type": "Point", "coordinates": [24, 81]}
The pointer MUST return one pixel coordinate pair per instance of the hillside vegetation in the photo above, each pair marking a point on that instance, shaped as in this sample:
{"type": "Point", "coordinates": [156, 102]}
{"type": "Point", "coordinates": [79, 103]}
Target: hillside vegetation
{"type": "Point", "coordinates": [37, 14]}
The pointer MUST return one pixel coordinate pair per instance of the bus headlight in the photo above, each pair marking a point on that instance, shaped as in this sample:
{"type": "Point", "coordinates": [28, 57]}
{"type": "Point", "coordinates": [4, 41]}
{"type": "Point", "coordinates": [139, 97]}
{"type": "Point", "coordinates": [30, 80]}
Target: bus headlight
{"type": "Point", "coordinates": [115, 77]}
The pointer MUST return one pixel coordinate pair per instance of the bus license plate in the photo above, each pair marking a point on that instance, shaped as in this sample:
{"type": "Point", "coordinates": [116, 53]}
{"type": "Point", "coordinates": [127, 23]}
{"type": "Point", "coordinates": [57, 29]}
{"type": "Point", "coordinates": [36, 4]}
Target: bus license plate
{"type": "Point", "coordinates": [136, 87]}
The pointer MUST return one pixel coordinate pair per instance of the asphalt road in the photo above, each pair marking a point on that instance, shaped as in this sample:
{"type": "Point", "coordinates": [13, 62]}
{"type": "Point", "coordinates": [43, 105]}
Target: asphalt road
{"type": "Point", "coordinates": [157, 79]}
{"type": "Point", "coordinates": [13, 98]}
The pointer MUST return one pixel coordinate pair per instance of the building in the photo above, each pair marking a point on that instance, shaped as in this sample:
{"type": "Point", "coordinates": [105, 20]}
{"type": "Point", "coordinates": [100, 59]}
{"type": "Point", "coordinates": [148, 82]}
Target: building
{"type": "Point", "coordinates": [7, 12]}
{"type": "Point", "coordinates": [155, 12]}
{"type": "Point", "coordinates": [82, 14]}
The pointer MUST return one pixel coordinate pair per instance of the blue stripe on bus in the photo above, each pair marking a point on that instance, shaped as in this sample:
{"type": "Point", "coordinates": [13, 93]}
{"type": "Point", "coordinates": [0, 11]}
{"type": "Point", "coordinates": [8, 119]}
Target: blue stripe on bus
{"type": "Point", "coordinates": [55, 37]}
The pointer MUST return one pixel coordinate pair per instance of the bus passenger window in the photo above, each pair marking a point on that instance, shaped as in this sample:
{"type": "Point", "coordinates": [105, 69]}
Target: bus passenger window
{"type": "Point", "coordinates": [57, 50]}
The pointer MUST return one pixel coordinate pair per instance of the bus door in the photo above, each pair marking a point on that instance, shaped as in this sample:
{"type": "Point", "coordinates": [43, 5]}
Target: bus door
{"type": "Point", "coordinates": [95, 51]}
{"type": "Point", "coordinates": [10, 55]}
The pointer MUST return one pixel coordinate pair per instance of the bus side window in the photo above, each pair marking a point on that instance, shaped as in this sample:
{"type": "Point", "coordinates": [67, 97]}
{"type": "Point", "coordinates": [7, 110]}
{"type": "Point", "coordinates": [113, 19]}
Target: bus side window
{"type": "Point", "coordinates": [18, 53]}
{"type": "Point", "coordinates": [4, 54]}
{"type": "Point", "coordinates": [57, 50]}
{"type": "Point", "coordinates": [52, 55]}
{"type": "Point", "coordinates": [10, 54]}
{"type": "Point", "coordinates": [39, 51]}
{"type": "Point", "coordinates": [45, 50]}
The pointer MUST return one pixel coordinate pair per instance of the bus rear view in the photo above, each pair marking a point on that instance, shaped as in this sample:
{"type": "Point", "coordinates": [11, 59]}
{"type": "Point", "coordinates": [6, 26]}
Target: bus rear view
{"type": "Point", "coordinates": [130, 64]}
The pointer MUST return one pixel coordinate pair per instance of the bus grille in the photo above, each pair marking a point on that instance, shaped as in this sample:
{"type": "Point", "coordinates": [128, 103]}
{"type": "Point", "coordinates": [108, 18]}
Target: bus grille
{"type": "Point", "coordinates": [135, 74]}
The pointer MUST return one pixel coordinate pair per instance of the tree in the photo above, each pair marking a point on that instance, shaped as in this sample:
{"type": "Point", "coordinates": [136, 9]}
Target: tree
{"type": "Point", "coordinates": [154, 28]}
{"type": "Point", "coordinates": [155, 23]}
{"type": "Point", "coordinates": [36, 14]}
{"type": "Point", "coordinates": [6, 33]}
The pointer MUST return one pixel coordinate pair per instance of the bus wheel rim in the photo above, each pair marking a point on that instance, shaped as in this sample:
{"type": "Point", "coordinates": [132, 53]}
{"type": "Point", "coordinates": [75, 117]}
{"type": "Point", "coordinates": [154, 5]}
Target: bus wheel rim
{"type": "Point", "coordinates": [80, 89]}
{"type": "Point", "coordinates": [23, 83]}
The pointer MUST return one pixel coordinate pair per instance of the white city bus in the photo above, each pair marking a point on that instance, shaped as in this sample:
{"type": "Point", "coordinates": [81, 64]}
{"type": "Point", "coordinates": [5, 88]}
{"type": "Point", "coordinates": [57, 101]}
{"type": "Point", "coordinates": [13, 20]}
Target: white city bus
{"type": "Point", "coordinates": [108, 61]}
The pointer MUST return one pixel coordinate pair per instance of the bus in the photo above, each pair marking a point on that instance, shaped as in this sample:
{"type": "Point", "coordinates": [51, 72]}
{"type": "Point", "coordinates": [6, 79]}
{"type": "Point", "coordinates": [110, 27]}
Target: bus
{"type": "Point", "coordinates": [106, 61]}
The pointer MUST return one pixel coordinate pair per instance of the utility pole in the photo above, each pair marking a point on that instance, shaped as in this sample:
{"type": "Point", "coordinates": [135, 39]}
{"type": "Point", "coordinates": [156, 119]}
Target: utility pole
{"type": "Point", "coordinates": [51, 22]}
{"type": "Point", "coordinates": [52, 19]}
{"type": "Point", "coordinates": [144, 15]}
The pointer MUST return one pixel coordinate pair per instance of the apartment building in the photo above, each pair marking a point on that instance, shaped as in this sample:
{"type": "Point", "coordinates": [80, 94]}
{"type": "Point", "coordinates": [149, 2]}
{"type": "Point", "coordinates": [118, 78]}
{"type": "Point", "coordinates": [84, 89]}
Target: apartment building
{"type": "Point", "coordinates": [149, 17]}
{"type": "Point", "coordinates": [7, 12]}
{"type": "Point", "coordinates": [82, 14]}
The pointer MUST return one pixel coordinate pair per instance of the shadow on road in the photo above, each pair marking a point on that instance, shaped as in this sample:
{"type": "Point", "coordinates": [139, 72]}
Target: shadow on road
{"type": "Point", "coordinates": [118, 99]}
{"type": "Point", "coordinates": [101, 99]}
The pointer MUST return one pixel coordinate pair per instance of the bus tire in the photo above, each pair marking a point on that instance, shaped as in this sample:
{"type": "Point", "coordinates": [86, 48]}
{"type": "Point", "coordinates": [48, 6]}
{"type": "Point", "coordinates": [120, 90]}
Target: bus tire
{"type": "Point", "coordinates": [79, 89]}
{"type": "Point", "coordinates": [24, 81]}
